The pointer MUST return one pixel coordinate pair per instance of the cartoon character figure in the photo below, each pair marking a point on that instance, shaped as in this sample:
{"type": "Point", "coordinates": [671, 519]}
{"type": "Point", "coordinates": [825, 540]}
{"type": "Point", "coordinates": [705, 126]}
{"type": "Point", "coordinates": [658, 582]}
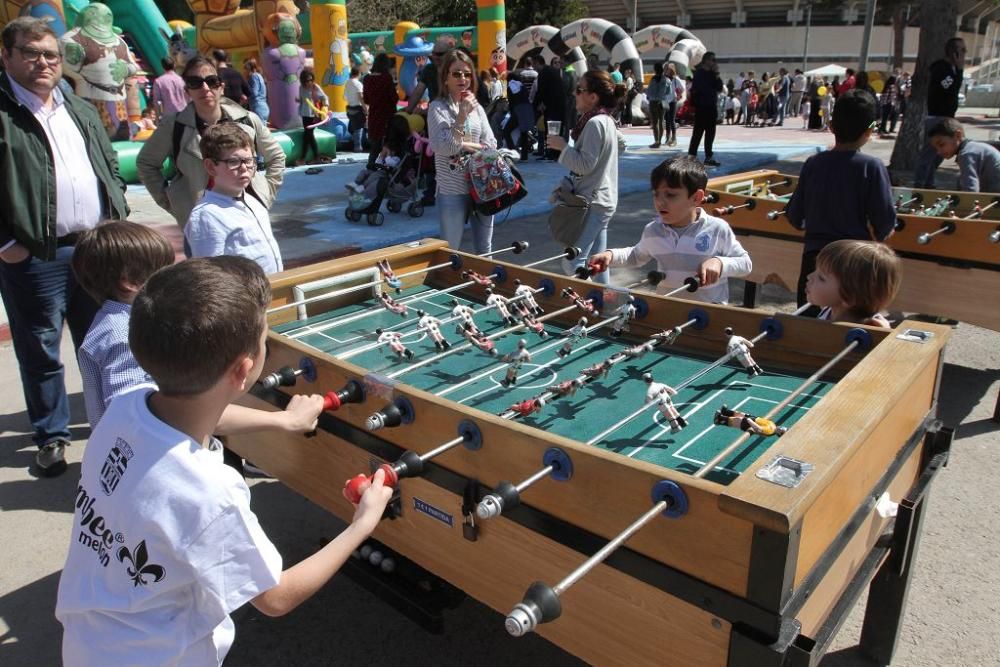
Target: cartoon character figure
{"type": "Point", "coordinates": [498, 55]}
{"type": "Point", "coordinates": [467, 39]}
{"type": "Point", "coordinates": [739, 347]}
{"type": "Point", "coordinates": [663, 395]}
{"type": "Point", "coordinates": [746, 422]}
{"type": "Point", "coordinates": [414, 51]}
{"type": "Point", "coordinates": [282, 65]}
{"type": "Point", "coordinates": [379, 45]}
{"type": "Point", "coordinates": [573, 336]}
{"type": "Point", "coordinates": [515, 360]}
{"type": "Point", "coordinates": [394, 341]}
{"type": "Point", "coordinates": [362, 59]}
{"type": "Point", "coordinates": [338, 70]}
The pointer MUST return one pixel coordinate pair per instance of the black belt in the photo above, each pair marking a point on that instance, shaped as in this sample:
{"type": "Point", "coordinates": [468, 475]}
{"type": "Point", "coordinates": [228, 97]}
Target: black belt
{"type": "Point", "coordinates": [68, 240]}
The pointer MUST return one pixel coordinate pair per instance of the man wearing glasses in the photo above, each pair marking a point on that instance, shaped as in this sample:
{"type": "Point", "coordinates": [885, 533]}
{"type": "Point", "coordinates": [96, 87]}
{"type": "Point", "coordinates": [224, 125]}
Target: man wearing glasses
{"type": "Point", "coordinates": [58, 177]}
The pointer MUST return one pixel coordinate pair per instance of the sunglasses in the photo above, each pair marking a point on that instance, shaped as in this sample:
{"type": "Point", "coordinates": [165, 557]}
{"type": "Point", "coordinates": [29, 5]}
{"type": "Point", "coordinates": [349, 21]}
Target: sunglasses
{"type": "Point", "coordinates": [196, 82]}
{"type": "Point", "coordinates": [461, 75]}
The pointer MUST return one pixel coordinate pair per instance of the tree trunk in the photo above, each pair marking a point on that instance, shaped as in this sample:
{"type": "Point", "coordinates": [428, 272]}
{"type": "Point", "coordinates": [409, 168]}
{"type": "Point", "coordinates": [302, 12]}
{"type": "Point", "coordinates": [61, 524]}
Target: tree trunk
{"type": "Point", "coordinates": [898, 35]}
{"type": "Point", "coordinates": [937, 25]}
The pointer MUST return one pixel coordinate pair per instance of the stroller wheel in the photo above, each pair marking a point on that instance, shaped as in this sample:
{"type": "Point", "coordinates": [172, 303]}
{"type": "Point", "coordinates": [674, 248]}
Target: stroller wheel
{"type": "Point", "coordinates": [394, 206]}
{"type": "Point", "coordinates": [415, 210]}
{"type": "Point", "coordinates": [353, 215]}
{"type": "Point", "coordinates": [376, 219]}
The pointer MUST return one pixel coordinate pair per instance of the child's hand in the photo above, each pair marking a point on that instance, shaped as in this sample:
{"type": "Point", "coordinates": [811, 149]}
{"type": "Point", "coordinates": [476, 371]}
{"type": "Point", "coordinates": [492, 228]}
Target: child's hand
{"type": "Point", "coordinates": [374, 498]}
{"type": "Point", "coordinates": [303, 412]}
{"type": "Point", "coordinates": [878, 320]}
{"type": "Point", "coordinates": [709, 271]}
{"type": "Point", "coordinates": [601, 261]}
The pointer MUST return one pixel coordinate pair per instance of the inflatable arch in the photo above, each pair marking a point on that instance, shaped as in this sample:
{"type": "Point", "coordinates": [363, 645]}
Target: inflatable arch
{"type": "Point", "coordinates": [539, 36]}
{"type": "Point", "coordinates": [684, 50]}
{"type": "Point", "coordinates": [604, 33]}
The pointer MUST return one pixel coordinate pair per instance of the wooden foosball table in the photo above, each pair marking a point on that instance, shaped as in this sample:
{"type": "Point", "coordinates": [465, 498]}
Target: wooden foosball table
{"type": "Point", "coordinates": [949, 243]}
{"type": "Point", "coordinates": [564, 498]}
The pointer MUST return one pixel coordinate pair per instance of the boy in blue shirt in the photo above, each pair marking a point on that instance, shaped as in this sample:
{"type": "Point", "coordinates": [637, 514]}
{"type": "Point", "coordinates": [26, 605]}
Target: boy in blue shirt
{"type": "Point", "coordinates": [843, 193]}
{"type": "Point", "coordinates": [978, 162]}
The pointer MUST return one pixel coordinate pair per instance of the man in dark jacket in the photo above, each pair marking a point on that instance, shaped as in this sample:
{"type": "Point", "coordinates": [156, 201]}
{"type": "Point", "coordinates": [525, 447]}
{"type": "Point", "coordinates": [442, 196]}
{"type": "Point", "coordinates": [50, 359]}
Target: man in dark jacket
{"type": "Point", "coordinates": [236, 87]}
{"type": "Point", "coordinates": [705, 89]}
{"type": "Point", "coordinates": [549, 100]}
{"type": "Point", "coordinates": [942, 102]}
{"type": "Point", "coordinates": [58, 177]}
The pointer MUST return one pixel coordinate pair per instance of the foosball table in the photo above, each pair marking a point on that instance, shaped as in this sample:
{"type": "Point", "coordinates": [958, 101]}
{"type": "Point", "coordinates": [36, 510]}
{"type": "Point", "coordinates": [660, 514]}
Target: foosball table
{"type": "Point", "coordinates": [640, 479]}
{"type": "Point", "coordinates": [949, 243]}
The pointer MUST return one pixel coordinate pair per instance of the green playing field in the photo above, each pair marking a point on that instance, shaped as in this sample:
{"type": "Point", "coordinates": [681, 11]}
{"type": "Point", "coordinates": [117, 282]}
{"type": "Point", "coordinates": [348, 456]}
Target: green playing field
{"type": "Point", "coordinates": [471, 377]}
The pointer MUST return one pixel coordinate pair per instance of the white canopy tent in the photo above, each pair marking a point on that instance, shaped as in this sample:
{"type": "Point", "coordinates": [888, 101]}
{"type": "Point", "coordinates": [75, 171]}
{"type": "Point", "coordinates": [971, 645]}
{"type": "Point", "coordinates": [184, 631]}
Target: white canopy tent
{"type": "Point", "coordinates": [828, 70]}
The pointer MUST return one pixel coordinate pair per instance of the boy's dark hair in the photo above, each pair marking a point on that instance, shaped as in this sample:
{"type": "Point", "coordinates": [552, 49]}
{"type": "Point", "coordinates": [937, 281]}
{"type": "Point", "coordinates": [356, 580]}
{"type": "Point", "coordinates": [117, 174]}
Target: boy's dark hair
{"type": "Point", "coordinates": [167, 64]}
{"type": "Point", "coordinates": [118, 251]}
{"type": "Point", "coordinates": [222, 138]}
{"type": "Point", "coordinates": [220, 56]}
{"type": "Point", "coordinates": [682, 171]}
{"type": "Point", "coordinates": [193, 320]}
{"type": "Point", "coordinates": [853, 115]}
{"type": "Point", "coordinates": [947, 127]}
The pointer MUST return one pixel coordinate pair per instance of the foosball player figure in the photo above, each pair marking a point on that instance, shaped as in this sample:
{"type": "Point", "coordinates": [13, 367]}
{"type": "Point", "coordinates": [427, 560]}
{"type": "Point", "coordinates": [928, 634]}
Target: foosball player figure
{"type": "Point", "coordinates": [663, 395]}
{"type": "Point", "coordinates": [478, 278]}
{"type": "Point", "coordinates": [746, 422]}
{"type": "Point", "coordinates": [394, 340]}
{"type": "Point", "coordinates": [739, 347]}
{"type": "Point", "coordinates": [586, 304]}
{"type": "Point", "coordinates": [598, 370]}
{"type": "Point", "coordinates": [564, 389]}
{"type": "Point", "coordinates": [463, 312]}
{"type": "Point", "coordinates": [527, 407]}
{"type": "Point", "coordinates": [478, 339]}
{"type": "Point", "coordinates": [626, 313]}
{"type": "Point", "coordinates": [573, 336]}
{"type": "Point", "coordinates": [527, 296]}
{"type": "Point", "coordinates": [668, 336]}
{"type": "Point", "coordinates": [515, 360]}
{"type": "Point", "coordinates": [528, 320]}
{"type": "Point", "coordinates": [637, 351]}
{"type": "Point", "coordinates": [432, 326]}
{"type": "Point", "coordinates": [500, 303]}
{"type": "Point", "coordinates": [392, 305]}
{"type": "Point", "coordinates": [388, 276]}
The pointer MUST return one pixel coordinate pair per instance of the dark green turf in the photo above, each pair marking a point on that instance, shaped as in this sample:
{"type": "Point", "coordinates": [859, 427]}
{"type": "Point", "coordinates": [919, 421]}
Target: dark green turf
{"type": "Point", "coordinates": [595, 406]}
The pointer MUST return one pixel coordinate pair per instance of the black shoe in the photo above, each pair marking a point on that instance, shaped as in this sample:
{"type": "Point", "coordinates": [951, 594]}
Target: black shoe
{"type": "Point", "coordinates": [408, 354]}
{"type": "Point", "coordinates": [682, 422]}
{"type": "Point", "coordinates": [427, 200]}
{"type": "Point", "coordinates": [709, 162]}
{"type": "Point", "coordinates": [51, 458]}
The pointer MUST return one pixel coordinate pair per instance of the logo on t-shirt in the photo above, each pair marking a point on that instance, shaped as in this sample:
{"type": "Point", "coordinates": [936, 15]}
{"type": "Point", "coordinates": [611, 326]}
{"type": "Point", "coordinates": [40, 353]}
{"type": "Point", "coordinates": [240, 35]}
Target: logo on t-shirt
{"type": "Point", "coordinates": [115, 465]}
{"type": "Point", "coordinates": [701, 241]}
{"type": "Point", "coordinates": [947, 81]}
{"type": "Point", "coordinates": [139, 568]}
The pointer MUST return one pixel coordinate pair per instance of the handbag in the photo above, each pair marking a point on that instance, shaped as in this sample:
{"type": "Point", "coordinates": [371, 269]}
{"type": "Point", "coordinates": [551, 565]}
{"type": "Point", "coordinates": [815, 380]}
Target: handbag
{"type": "Point", "coordinates": [567, 217]}
{"type": "Point", "coordinates": [494, 184]}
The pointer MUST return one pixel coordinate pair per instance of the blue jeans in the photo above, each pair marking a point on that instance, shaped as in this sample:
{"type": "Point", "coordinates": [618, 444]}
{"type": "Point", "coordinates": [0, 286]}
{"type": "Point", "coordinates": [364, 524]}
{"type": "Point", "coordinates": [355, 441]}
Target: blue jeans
{"type": "Point", "coordinates": [928, 161]}
{"type": "Point", "coordinates": [593, 239]}
{"type": "Point", "coordinates": [39, 296]}
{"type": "Point", "coordinates": [782, 108]}
{"type": "Point", "coordinates": [453, 211]}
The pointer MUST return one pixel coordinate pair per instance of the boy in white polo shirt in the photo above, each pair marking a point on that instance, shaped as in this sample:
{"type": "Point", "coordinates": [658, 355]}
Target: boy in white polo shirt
{"type": "Point", "coordinates": [164, 545]}
{"type": "Point", "coordinates": [230, 219]}
{"type": "Point", "coordinates": [685, 241]}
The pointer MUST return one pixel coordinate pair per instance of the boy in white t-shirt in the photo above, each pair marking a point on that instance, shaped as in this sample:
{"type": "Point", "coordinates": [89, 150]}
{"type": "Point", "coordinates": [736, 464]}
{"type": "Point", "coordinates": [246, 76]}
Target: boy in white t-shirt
{"type": "Point", "coordinates": [164, 545]}
{"type": "Point", "coordinates": [230, 219]}
{"type": "Point", "coordinates": [685, 241]}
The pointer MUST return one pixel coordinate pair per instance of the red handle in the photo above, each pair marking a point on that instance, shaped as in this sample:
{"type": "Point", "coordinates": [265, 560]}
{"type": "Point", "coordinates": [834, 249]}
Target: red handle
{"type": "Point", "coordinates": [355, 487]}
{"type": "Point", "coordinates": [331, 402]}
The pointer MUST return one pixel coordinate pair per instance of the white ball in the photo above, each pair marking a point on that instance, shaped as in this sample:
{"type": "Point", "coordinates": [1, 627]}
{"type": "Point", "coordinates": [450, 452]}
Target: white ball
{"type": "Point", "coordinates": [388, 565]}
{"type": "Point", "coordinates": [366, 551]}
{"type": "Point", "coordinates": [376, 558]}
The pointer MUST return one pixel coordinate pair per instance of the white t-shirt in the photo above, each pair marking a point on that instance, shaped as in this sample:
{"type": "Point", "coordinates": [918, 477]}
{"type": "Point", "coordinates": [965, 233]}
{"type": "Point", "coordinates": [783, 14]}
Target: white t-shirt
{"type": "Point", "coordinates": [353, 92]}
{"type": "Point", "coordinates": [164, 547]}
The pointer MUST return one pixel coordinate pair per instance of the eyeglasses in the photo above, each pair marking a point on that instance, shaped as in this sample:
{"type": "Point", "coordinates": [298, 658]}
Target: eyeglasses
{"type": "Point", "coordinates": [580, 91]}
{"type": "Point", "coordinates": [196, 82]}
{"type": "Point", "coordinates": [233, 163]}
{"type": "Point", "coordinates": [32, 55]}
{"type": "Point", "coordinates": [461, 75]}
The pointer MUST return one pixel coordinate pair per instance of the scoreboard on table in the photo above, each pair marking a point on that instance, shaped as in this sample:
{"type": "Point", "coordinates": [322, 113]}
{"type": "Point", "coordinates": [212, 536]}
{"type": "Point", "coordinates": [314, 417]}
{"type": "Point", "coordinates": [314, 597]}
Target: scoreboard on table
{"type": "Point", "coordinates": [754, 563]}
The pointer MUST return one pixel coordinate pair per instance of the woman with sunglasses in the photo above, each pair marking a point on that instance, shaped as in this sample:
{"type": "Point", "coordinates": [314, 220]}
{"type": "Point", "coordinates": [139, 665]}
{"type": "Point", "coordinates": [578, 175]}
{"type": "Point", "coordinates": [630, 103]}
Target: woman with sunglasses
{"type": "Point", "coordinates": [178, 135]}
{"type": "Point", "coordinates": [457, 124]}
{"type": "Point", "coordinates": [593, 162]}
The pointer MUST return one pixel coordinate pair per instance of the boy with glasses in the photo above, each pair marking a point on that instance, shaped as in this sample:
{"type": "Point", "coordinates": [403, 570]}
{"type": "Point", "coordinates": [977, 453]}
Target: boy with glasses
{"type": "Point", "coordinates": [229, 219]}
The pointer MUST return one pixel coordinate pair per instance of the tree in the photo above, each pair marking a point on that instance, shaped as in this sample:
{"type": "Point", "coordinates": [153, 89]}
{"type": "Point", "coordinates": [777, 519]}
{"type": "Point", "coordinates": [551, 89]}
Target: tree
{"type": "Point", "coordinates": [937, 25]}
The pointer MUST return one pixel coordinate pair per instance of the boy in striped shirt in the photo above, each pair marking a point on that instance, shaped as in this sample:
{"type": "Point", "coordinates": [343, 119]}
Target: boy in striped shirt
{"type": "Point", "coordinates": [685, 241]}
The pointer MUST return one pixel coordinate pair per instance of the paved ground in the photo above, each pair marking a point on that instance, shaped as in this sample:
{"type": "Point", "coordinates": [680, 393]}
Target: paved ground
{"type": "Point", "coordinates": [953, 607]}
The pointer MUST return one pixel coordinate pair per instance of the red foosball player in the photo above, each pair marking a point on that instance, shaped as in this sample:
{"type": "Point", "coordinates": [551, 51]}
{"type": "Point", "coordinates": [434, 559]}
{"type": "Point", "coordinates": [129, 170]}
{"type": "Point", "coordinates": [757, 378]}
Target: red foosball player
{"type": "Point", "coordinates": [478, 339]}
{"type": "Point", "coordinates": [478, 278]}
{"type": "Point", "coordinates": [668, 337]}
{"type": "Point", "coordinates": [432, 326]}
{"type": "Point", "coordinates": [394, 340]}
{"type": "Point", "coordinates": [746, 422]}
{"type": "Point", "coordinates": [527, 407]}
{"type": "Point", "coordinates": [663, 395]}
{"type": "Point", "coordinates": [563, 389]}
{"type": "Point", "coordinates": [598, 370]}
{"type": "Point", "coordinates": [502, 306]}
{"type": "Point", "coordinates": [739, 347]}
{"type": "Point", "coordinates": [637, 351]}
{"type": "Point", "coordinates": [392, 305]}
{"type": "Point", "coordinates": [529, 321]}
{"type": "Point", "coordinates": [586, 304]}
{"type": "Point", "coordinates": [527, 296]}
{"type": "Point", "coordinates": [515, 360]}
{"type": "Point", "coordinates": [388, 276]}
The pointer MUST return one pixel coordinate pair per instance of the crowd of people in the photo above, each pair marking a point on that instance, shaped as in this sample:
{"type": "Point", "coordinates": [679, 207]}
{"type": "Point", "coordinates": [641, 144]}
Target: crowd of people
{"type": "Point", "coordinates": [166, 348]}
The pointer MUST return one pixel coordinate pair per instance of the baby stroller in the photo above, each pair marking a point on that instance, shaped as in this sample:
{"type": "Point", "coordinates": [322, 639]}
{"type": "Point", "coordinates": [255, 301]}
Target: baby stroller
{"type": "Point", "coordinates": [397, 180]}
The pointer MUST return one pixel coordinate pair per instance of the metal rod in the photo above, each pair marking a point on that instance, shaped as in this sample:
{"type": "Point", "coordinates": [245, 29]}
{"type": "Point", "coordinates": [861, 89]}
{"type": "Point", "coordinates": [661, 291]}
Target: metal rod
{"type": "Point", "coordinates": [979, 213]}
{"type": "Point", "coordinates": [708, 467]}
{"type": "Point", "coordinates": [441, 449]}
{"type": "Point", "coordinates": [561, 255]}
{"type": "Point", "coordinates": [608, 548]}
{"type": "Point", "coordinates": [540, 475]}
